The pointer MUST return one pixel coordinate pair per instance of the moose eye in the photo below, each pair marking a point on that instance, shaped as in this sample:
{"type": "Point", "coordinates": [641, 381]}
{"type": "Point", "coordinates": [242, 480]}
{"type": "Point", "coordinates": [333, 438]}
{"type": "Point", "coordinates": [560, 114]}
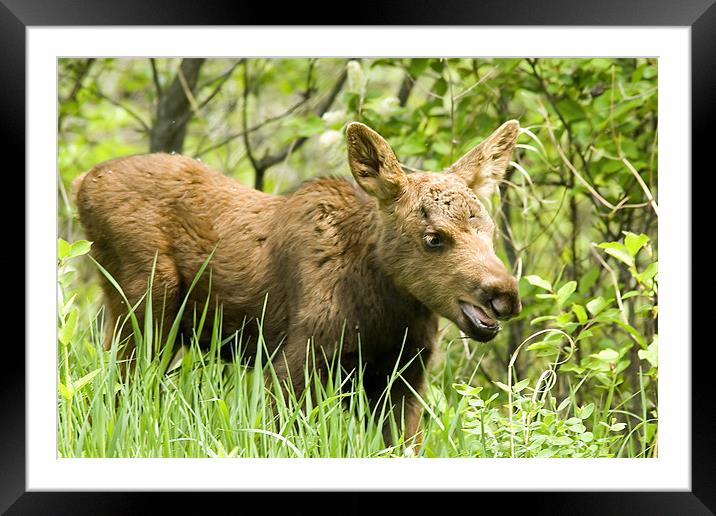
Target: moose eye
{"type": "Point", "coordinates": [433, 240]}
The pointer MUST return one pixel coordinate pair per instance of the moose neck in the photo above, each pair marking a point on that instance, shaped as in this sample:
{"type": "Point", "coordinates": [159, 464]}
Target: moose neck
{"type": "Point", "coordinates": [397, 308]}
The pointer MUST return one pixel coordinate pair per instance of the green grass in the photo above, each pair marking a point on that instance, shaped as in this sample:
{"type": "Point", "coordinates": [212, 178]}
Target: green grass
{"type": "Point", "coordinates": [207, 407]}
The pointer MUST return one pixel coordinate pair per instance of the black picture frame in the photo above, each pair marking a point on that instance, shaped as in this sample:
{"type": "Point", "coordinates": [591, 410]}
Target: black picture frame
{"type": "Point", "coordinates": [699, 15]}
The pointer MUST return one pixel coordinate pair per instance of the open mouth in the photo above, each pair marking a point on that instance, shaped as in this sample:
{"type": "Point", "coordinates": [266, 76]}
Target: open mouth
{"type": "Point", "coordinates": [481, 326]}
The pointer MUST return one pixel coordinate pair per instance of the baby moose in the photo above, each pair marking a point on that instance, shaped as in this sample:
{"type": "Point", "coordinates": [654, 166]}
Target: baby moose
{"type": "Point", "coordinates": [347, 269]}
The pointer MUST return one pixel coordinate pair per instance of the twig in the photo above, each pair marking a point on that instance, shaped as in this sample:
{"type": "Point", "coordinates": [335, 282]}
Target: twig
{"type": "Point", "coordinates": [221, 81]}
{"type": "Point", "coordinates": [251, 129]}
{"type": "Point", "coordinates": [482, 79]}
{"type": "Point", "coordinates": [270, 160]}
{"type": "Point", "coordinates": [129, 111]}
{"type": "Point", "coordinates": [572, 168]}
{"type": "Point", "coordinates": [553, 103]}
{"type": "Point", "coordinates": [187, 92]}
{"type": "Point", "coordinates": [652, 202]}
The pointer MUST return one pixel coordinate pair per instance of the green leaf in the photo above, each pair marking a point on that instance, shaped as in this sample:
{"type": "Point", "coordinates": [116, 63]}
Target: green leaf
{"type": "Point", "coordinates": [565, 403]}
{"type": "Point", "coordinates": [634, 243]}
{"type": "Point", "coordinates": [618, 251]}
{"type": "Point", "coordinates": [543, 318]}
{"type": "Point", "coordinates": [476, 402]}
{"type": "Point", "coordinates": [562, 440]}
{"type": "Point", "coordinates": [578, 428]}
{"type": "Point", "coordinates": [648, 273]}
{"type": "Point", "coordinates": [417, 66]}
{"type": "Point", "coordinates": [68, 329]}
{"type": "Point", "coordinates": [569, 367]}
{"type": "Point", "coordinates": [580, 313]}
{"type": "Point", "coordinates": [519, 386]}
{"type": "Point", "coordinates": [597, 304]}
{"type": "Point", "coordinates": [63, 249]}
{"type": "Point", "coordinates": [546, 453]}
{"type": "Point", "coordinates": [466, 390]}
{"type": "Point", "coordinates": [606, 355]}
{"type": "Point", "coordinates": [638, 336]}
{"type": "Point", "coordinates": [502, 386]}
{"type": "Point", "coordinates": [539, 282]}
{"type": "Point", "coordinates": [565, 291]}
{"type": "Point", "coordinates": [440, 87]}
{"type": "Point", "coordinates": [586, 437]}
{"type": "Point", "coordinates": [79, 248]}
{"type": "Point", "coordinates": [571, 110]}
{"type": "Point", "coordinates": [650, 354]}
{"type": "Point", "coordinates": [537, 346]}
{"type": "Point", "coordinates": [585, 411]}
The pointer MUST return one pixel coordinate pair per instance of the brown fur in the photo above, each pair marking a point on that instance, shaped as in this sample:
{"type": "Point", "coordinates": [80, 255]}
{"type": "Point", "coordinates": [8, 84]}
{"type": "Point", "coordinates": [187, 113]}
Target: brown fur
{"type": "Point", "coordinates": [338, 261]}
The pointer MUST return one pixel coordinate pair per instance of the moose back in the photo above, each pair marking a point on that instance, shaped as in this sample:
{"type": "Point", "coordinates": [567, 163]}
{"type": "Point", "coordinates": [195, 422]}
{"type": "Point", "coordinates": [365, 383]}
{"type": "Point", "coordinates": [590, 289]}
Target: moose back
{"type": "Point", "coordinates": [370, 264]}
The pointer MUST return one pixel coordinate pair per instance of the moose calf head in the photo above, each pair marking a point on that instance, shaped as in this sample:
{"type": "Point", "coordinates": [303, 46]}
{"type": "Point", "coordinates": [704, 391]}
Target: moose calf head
{"type": "Point", "coordinates": [436, 236]}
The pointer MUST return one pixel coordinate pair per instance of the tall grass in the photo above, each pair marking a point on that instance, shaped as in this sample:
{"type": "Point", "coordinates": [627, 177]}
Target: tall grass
{"type": "Point", "coordinates": [200, 405]}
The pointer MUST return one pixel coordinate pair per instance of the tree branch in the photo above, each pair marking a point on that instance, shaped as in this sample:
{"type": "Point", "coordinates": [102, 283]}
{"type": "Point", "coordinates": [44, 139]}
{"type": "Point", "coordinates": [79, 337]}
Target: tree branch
{"type": "Point", "coordinates": [129, 111]}
{"type": "Point", "coordinates": [81, 74]}
{"type": "Point", "coordinates": [259, 176]}
{"type": "Point", "coordinates": [222, 80]}
{"type": "Point", "coordinates": [267, 161]}
{"type": "Point", "coordinates": [270, 160]}
{"type": "Point", "coordinates": [251, 129]}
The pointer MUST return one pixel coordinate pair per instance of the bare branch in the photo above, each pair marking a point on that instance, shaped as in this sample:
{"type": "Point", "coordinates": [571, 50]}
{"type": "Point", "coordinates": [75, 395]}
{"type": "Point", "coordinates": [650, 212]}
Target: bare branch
{"type": "Point", "coordinates": [221, 81]}
{"type": "Point", "coordinates": [271, 160]}
{"type": "Point", "coordinates": [571, 167]}
{"type": "Point", "coordinates": [127, 109]}
{"type": "Point", "coordinates": [636, 174]}
{"type": "Point", "coordinates": [251, 129]}
{"type": "Point", "coordinates": [187, 91]}
{"type": "Point", "coordinates": [262, 164]}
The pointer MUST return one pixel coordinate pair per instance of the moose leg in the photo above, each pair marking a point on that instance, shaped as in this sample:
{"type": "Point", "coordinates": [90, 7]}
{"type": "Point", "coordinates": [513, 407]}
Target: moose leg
{"type": "Point", "coordinates": [166, 298]}
{"type": "Point", "coordinates": [405, 407]}
{"type": "Point", "coordinates": [290, 366]}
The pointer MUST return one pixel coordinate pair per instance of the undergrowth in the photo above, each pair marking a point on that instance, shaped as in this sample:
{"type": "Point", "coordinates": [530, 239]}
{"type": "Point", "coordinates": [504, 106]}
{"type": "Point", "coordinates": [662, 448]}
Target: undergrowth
{"type": "Point", "coordinates": [208, 407]}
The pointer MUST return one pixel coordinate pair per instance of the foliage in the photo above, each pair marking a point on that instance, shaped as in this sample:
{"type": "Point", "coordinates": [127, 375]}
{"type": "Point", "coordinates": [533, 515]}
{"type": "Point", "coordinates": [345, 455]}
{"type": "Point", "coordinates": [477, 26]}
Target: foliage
{"type": "Point", "coordinates": [577, 223]}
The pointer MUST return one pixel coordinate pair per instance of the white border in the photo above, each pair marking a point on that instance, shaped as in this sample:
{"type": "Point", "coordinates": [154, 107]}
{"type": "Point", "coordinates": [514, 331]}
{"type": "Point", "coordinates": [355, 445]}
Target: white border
{"type": "Point", "coordinates": [670, 471]}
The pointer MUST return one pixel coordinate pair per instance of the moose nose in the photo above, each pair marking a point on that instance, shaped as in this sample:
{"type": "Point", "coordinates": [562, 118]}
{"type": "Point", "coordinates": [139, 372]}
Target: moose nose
{"type": "Point", "coordinates": [505, 304]}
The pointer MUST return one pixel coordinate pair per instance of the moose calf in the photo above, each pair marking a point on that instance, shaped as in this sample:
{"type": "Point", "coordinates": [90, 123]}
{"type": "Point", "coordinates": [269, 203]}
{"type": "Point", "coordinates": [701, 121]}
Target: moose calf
{"type": "Point", "coordinates": [371, 264]}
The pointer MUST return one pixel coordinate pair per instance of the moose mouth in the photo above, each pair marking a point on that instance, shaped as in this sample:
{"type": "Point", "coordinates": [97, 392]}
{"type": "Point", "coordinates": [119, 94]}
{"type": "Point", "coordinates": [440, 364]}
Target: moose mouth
{"type": "Point", "coordinates": [480, 326]}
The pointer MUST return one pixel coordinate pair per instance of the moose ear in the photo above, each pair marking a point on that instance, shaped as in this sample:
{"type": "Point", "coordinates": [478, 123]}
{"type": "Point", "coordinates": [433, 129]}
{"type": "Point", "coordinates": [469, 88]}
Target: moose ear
{"type": "Point", "coordinates": [373, 163]}
{"type": "Point", "coordinates": [483, 167]}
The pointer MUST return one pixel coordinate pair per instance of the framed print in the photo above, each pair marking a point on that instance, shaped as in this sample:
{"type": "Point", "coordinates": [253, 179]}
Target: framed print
{"type": "Point", "coordinates": [467, 301]}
